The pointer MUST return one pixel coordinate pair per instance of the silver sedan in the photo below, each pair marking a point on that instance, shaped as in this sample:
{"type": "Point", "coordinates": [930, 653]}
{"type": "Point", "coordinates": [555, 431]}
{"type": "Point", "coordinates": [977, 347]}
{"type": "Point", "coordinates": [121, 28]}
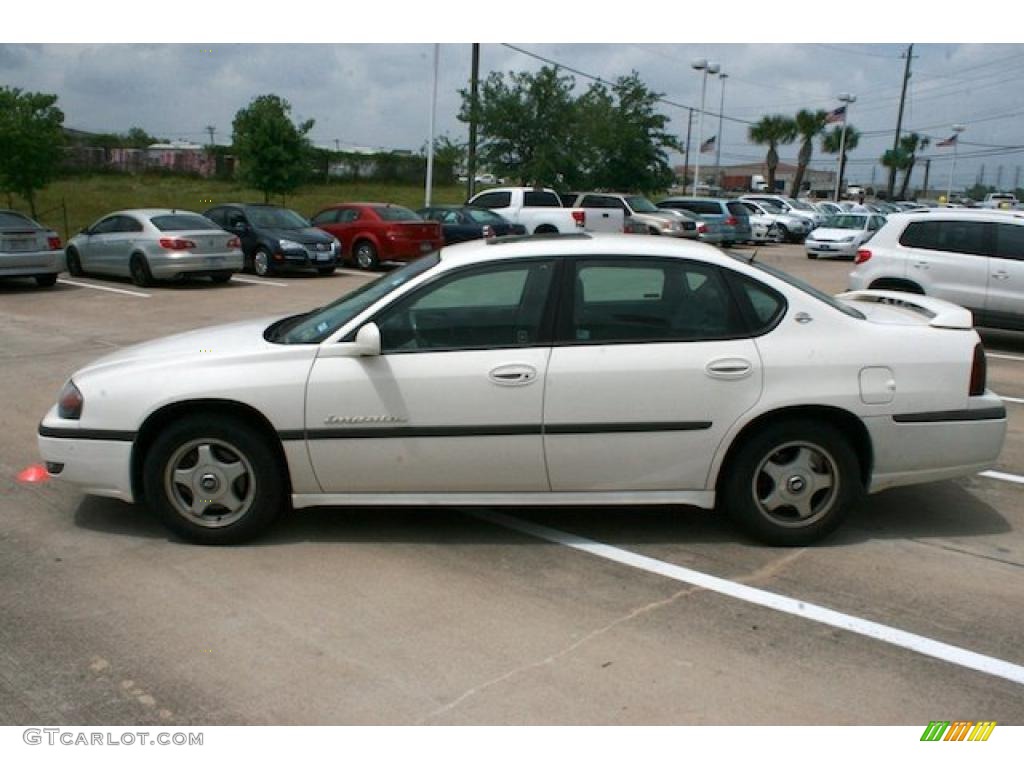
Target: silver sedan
{"type": "Point", "coordinates": [28, 249]}
{"type": "Point", "coordinates": [155, 244]}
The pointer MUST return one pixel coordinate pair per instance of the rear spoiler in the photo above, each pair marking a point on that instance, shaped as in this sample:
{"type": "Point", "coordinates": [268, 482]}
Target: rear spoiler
{"type": "Point", "coordinates": [939, 313]}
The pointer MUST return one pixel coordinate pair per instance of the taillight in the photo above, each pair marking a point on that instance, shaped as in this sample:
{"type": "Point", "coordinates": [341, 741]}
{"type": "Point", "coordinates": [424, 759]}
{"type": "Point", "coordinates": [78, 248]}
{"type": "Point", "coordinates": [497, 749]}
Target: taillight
{"type": "Point", "coordinates": [488, 231]}
{"type": "Point", "coordinates": [731, 221]}
{"type": "Point", "coordinates": [70, 402]}
{"type": "Point", "coordinates": [54, 243]}
{"type": "Point", "coordinates": [862, 255]}
{"type": "Point", "coordinates": [580, 217]}
{"type": "Point", "coordinates": [702, 228]}
{"type": "Point", "coordinates": [979, 372]}
{"type": "Point", "coordinates": [234, 242]}
{"type": "Point", "coordinates": [176, 244]}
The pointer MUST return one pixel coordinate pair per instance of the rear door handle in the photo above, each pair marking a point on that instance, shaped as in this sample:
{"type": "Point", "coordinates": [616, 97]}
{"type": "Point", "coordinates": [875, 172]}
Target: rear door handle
{"type": "Point", "coordinates": [729, 368]}
{"type": "Point", "coordinates": [920, 265]}
{"type": "Point", "coordinates": [1000, 276]}
{"type": "Point", "coordinates": [513, 374]}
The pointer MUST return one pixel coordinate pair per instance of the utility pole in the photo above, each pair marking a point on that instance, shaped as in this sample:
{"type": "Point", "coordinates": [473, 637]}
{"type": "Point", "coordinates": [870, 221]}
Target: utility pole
{"type": "Point", "coordinates": [899, 120]}
{"type": "Point", "coordinates": [428, 193]}
{"type": "Point", "coordinates": [337, 145]}
{"type": "Point", "coordinates": [1016, 179]}
{"type": "Point", "coordinates": [981, 175]}
{"type": "Point", "coordinates": [474, 88]}
{"type": "Point", "coordinates": [927, 172]}
{"type": "Point", "coordinates": [686, 156]}
{"type": "Point", "coordinates": [211, 130]}
{"type": "Point", "coordinates": [873, 169]}
{"type": "Point", "coordinates": [999, 177]}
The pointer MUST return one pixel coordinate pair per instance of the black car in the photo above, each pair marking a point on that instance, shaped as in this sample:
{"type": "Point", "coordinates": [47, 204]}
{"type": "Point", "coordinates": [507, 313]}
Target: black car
{"type": "Point", "coordinates": [466, 222]}
{"type": "Point", "coordinates": [275, 238]}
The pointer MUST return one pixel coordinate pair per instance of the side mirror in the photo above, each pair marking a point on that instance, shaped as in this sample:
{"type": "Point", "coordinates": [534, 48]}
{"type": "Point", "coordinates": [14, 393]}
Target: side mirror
{"type": "Point", "coordinates": [365, 344]}
{"type": "Point", "coordinates": [239, 226]}
{"type": "Point", "coordinates": [368, 340]}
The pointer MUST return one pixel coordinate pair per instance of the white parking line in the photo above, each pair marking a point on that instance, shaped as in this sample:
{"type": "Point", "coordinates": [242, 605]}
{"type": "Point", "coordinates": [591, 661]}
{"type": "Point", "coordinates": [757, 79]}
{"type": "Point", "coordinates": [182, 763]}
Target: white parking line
{"type": "Point", "coordinates": [1005, 357]}
{"type": "Point", "coordinates": [1006, 399]}
{"type": "Point", "coordinates": [993, 475]}
{"type": "Point", "coordinates": [259, 281]}
{"type": "Point", "coordinates": [140, 294]}
{"type": "Point", "coordinates": [898, 637]}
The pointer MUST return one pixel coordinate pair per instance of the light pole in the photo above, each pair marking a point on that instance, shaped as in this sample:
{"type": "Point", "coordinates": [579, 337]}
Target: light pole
{"type": "Point", "coordinates": [718, 139]}
{"type": "Point", "coordinates": [706, 68]}
{"type": "Point", "coordinates": [957, 130]}
{"type": "Point", "coordinates": [847, 99]}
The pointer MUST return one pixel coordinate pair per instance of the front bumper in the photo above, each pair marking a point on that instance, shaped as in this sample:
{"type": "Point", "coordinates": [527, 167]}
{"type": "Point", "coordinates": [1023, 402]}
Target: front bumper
{"type": "Point", "coordinates": [832, 248]}
{"type": "Point", "coordinates": [27, 263]}
{"type": "Point", "coordinates": [922, 448]}
{"type": "Point", "coordinates": [98, 466]}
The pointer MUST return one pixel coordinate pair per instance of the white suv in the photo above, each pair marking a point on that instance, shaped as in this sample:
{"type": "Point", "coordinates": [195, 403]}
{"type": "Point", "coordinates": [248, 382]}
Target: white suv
{"type": "Point", "coordinates": [974, 258]}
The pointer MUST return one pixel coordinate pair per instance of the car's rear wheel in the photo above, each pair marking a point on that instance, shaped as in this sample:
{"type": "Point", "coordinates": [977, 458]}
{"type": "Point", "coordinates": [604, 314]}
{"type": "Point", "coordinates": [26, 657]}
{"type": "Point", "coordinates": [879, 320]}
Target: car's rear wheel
{"type": "Point", "coordinates": [74, 263]}
{"type": "Point", "coordinates": [46, 281]}
{"type": "Point", "coordinates": [139, 269]}
{"type": "Point", "coordinates": [221, 277]}
{"type": "Point", "coordinates": [894, 284]}
{"type": "Point", "coordinates": [792, 483]}
{"type": "Point", "coordinates": [214, 480]}
{"type": "Point", "coordinates": [365, 255]}
{"type": "Point", "coordinates": [261, 262]}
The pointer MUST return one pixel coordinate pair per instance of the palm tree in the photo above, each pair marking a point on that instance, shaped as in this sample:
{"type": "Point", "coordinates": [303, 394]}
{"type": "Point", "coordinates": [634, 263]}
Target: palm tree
{"type": "Point", "coordinates": [910, 145]}
{"type": "Point", "coordinates": [831, 141]}
{"type": "Point", "coordinates": [808, 125]}
{"type": "Point", "coordinates": [773, 130]}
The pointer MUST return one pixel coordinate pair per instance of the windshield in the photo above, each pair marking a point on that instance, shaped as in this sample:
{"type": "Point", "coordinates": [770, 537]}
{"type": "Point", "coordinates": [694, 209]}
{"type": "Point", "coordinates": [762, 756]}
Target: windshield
{"type": "Point", "coordinates": [182, 222]}
{"type": "Point", "coordinates": [314, 327]}
{"type": "Point", "coordinates": [275, 218]}
{"type": "Point", "coordinates": [641, 204]}
{"type": "Point", "coordinates": [800, 205]}
{"type": "Point", "coordinates": [770, 206]}
{"type": "Point", "coordinates": [846, 221]}
{"type": "Point", "coordinates": [483, 216]}
{"type": "Point", "coordinates": [801, 285]}
{"type": "Point", "coordinates": [396, 213]}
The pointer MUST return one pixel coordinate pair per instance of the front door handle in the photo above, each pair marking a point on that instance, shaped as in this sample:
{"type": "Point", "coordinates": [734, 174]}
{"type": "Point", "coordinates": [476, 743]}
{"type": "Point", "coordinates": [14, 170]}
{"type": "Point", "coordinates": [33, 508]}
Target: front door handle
{"type": "Point", "coordinates": [1000, 276]}
{"type": "Point", "coordinates": [513, 374]}
{"type": "Point", "coordinates": [729, 368]}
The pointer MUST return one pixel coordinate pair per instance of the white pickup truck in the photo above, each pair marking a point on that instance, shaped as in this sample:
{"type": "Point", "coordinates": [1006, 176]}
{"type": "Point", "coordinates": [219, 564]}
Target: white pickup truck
{"type": "Point", "coordinates": [540, 210]}
{"type": "Point", "coordinates": [999, 200]}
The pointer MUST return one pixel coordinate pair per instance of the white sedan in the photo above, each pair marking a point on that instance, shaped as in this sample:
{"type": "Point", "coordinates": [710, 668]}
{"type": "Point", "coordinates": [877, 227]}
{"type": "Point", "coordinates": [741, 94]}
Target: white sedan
{"type": "Point", "coordinates": [841, 235]}
{"type": "Point", "coordinates": [571, 369]}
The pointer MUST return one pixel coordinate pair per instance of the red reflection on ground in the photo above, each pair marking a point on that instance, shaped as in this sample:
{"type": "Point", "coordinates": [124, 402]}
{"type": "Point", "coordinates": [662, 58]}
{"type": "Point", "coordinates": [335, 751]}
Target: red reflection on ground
{"type": "Point", "coordinates": [34, 474]}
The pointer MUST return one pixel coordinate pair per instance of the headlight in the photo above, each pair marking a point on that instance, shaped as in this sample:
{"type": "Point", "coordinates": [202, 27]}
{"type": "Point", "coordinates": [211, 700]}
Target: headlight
{"type": "Point", "coordinates": [70, 402]}
{"type": "Point", "coordinates": [291, 245]}
{"type": "Point", "coordinates": [336, 245]}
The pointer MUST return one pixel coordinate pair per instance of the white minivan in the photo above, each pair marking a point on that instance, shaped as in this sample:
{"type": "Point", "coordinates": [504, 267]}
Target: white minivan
{"type": "Point", "coordinates": [971, 257]}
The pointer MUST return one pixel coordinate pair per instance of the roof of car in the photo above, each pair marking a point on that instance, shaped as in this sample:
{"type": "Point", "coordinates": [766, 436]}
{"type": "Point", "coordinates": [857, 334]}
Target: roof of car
{"type": "Point", "coordinates": [580, 244]}
{"type": "Point", "coordinates": [153, 212]}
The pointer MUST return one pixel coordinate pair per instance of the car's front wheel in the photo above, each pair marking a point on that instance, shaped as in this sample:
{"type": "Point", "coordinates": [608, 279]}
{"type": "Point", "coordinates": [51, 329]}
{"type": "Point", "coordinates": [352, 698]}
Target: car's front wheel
{"type": "Point", "coordinates": [261, 262]}
{"type": "Point", "coordinates": [792, 483]}
{"type": "Point", "coordinates": [46, 281]}
{"type": "Point", "coordinates": [214, 480]}
{"type": "Point", "coordinates": [365, 255]}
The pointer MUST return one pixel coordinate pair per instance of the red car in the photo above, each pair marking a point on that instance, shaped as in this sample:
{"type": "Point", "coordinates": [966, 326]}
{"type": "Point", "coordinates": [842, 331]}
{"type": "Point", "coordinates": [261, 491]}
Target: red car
{"type": "Point", "coordinates": [371, 233]}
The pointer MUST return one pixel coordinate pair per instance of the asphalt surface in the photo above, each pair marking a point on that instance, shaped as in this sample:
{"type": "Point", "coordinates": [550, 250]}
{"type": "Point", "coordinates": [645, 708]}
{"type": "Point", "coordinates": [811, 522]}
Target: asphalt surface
{"type": "Point", "coordinates": [403, 616]}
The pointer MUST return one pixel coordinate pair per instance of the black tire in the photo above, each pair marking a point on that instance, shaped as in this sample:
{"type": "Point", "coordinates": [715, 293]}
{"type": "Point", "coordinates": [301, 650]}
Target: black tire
{"type": "Point", "coordinates": [46, 281]}
{"type": "Point", "coordinates": [221, 277]}
{"type": "Point", "coordinates": [545, 229]}
{"type": "Point", "coordinates": [262, 264]}
{"type": "Point", "coordinates": [260, 489]}
{"type": "Point", "coordinates": [74, 263]}
{"type": "Point", "coordinates": [811, 255]}
{"type": "Point", "coordinates": [798, 513]}
{"type": "Point", "coordinates": [325, 271]}
{"type": "Point", "coordinates": [139, 268]}
{"type": "Point", "coordinates": [893, 284]}
{"type": "Point", "coordinates": [364, 254]}
{"type": "Point", "coordinates": [784, 236]}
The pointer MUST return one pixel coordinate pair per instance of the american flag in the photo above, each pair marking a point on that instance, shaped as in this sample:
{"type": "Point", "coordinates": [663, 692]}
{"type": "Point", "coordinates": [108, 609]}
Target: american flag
{"type": "Point", "coordinates": [708, 145]}
{"type": "Point", "coordinates": [951, 141]}
{"type": "Point", "coordinates": [837, 115]}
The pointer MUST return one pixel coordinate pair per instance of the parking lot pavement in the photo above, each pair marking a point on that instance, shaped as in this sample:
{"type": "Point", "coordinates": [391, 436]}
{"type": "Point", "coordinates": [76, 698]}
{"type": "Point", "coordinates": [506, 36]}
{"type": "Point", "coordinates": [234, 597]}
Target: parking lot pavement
{"type": "Point", "coordinates": [484, 616]}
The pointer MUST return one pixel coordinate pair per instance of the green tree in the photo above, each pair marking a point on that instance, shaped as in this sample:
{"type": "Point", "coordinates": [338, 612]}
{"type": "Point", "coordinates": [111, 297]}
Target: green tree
{"type": "Point", "coordinates": [910, 145]}
{"type": "Point", "coordinates": [773, 130]}
{"type": "Point", "coordinates": [625, 141]}
{"type": "Point", "coordinates": [449, 156]}
{"type": "Point", "coordinates": [831, 142]}
{"type": "Point", "coordinates": [527, 125]}
{"type": "Point", "coordinates": [31, 142]}
{"type": "Point", "coordinates": [273, 153]}
{"type": "Point", "coordinates": [809, 125]}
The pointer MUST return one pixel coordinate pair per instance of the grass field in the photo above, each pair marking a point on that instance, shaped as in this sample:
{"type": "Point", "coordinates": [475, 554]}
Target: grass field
{"type": "Point", "coordinates": [90, 197]}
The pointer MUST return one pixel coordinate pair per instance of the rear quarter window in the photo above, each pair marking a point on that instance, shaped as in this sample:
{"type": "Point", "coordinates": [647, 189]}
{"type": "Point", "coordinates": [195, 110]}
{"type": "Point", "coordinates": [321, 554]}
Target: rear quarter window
{"type": "Point", "coordinates": [737, 209]}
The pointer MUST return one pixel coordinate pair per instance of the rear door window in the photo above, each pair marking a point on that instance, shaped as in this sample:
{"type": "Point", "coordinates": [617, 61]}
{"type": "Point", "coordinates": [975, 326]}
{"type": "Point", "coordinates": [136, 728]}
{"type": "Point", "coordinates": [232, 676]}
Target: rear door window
{"type": "Point", "coordinates": [538, 198]}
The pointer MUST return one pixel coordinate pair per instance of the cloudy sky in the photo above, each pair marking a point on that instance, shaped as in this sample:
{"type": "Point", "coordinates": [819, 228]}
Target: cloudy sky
{"type": "Point", "coordinates": [378, 94]}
